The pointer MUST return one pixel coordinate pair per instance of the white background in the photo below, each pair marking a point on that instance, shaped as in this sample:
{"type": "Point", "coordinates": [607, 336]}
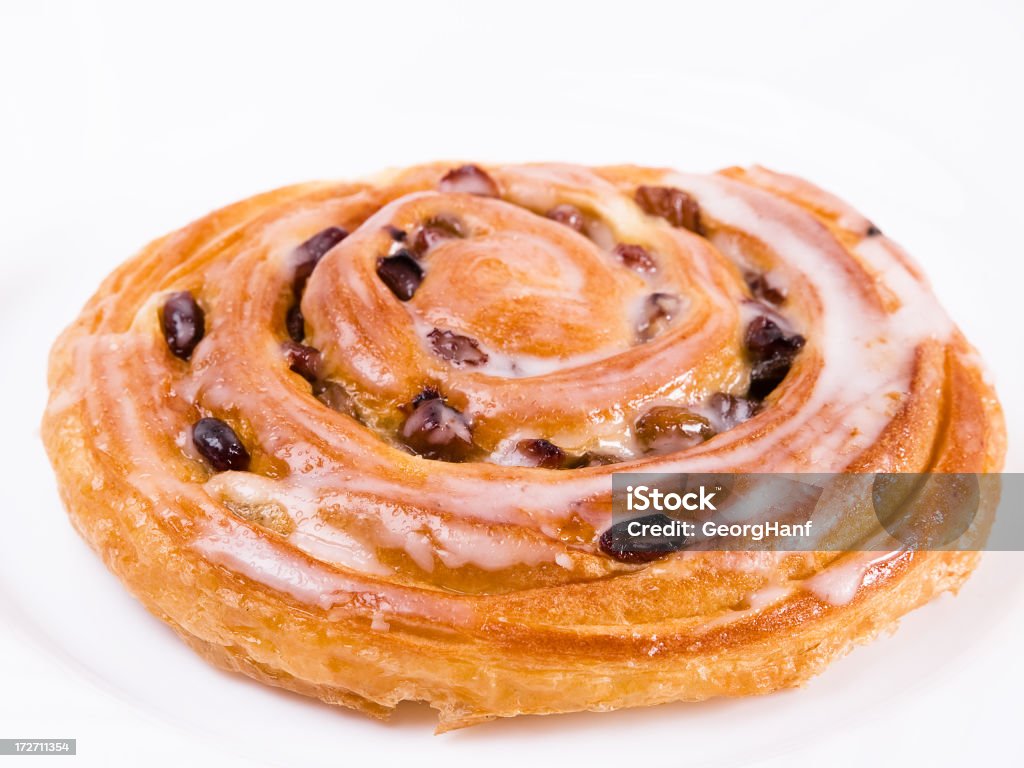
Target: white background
{"type": "Point", "coordinates": [120, 122]}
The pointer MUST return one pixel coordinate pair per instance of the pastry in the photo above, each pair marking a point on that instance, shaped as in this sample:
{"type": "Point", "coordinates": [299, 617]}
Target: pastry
{"type": "Point", "coordinates": [356, 440]}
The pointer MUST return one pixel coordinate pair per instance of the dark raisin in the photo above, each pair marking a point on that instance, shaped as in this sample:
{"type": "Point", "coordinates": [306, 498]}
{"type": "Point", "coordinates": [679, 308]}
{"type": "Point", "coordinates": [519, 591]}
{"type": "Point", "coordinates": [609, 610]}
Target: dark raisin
{"type": "Point", "coordinates": [461, 350]}
{"type": "Point", "coordinates": [667, 428]}
{"type": "Point", "coordinates": [658, 312]}
{"type": "Point", "coordinates": [308, 255]}
{"type": "Point", "coordinates": [304, 360]}
{"type": "Point", "coordinates": [470, 180]}
{"type": "Point", "coordinates": [616, 542]}
{"type": "Point", "coordinates": [873, 231]}
{"type": "Point", "coordinates": [766, 375]}
{"type": "Point", "coordinates": [304, 260]}
{"type": "Point", "coordinates": [219, 445]}
{"type": "Point", "coordinates": [764, 337]}
{"type": "Point", "coordinates": [569, 215]}
{"type": "Point", "coordinates": [446, 223]}
{"type": "Point", "coordinates": [334, 396]}
{"type": "Point", "coordinates": [183, 323]}
{"type": "Point", "coordinates": [401, 274]}
{"type": "Point", "coordinates": [427, 238]}
{"type": "Point", "coordinates": [427, 393]}
{"type": "Point", "coordinates": [437, 431]}
{"type": "Point", "coordinates": [398, 235]}
{"type": "Point", "coordinates": [542, 453]}
{"type": "Point", "coordinates": [674, 205]}
{"type": "Point", "coordinates": [434, 231]}
{"type": "Point", "coordinates": [591, 459]}
{"type": "Point", "coordinates": [635, 257]}
{"type": "Point", "coordinates": [772, 352]}
{"type": "Point", "coordinates": [731, 410]}
{"type": "Point", "coordinates": [764, 290]}
{"type": "Point", "coordinates": [295, 323]}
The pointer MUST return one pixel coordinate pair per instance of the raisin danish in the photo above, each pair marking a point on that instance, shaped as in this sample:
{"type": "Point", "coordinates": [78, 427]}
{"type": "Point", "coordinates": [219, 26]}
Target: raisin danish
{"type": "Point", "coordinates": [356, 439]}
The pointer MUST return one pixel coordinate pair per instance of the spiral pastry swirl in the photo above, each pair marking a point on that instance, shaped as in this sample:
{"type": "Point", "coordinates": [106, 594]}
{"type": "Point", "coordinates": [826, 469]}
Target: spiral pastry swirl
{"type": "Point", "coordinates": [356, 440]}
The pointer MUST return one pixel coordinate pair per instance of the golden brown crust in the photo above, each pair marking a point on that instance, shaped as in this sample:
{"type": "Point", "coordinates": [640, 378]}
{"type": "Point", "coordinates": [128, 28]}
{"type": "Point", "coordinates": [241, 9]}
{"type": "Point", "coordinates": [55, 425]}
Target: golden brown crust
{"type": "Point", "coordinates": [479, 587]}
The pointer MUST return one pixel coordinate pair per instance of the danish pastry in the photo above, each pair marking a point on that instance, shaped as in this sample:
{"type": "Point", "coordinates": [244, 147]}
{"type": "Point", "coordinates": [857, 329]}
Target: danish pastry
{"type": "Point", "coordinates": [356, 440]}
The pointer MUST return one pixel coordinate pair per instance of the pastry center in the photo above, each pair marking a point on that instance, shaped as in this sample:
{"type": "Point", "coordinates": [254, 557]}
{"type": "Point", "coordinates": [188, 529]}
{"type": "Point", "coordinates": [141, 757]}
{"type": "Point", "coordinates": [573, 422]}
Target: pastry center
{"type": "Point", "coordinates": [520, 294]}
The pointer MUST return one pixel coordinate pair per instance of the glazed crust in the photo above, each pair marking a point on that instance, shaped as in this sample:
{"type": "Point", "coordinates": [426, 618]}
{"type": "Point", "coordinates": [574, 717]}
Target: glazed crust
{"type": "Point", "coordinates": [479, 586]}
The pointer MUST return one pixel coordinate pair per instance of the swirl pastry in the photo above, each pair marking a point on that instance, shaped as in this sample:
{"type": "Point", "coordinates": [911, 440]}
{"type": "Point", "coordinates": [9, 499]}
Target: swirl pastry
{"type": "Point", "coordinates": [356, 439]}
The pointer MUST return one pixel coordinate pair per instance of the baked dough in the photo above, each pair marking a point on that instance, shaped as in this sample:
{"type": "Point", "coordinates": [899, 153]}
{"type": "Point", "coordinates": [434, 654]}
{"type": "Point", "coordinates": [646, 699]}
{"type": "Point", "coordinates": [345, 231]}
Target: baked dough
{"type": "Point", "coordinates": [387, 478]}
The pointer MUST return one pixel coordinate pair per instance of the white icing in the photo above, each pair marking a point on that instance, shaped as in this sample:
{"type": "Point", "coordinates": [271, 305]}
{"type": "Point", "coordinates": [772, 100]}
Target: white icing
{"type": "Point", "coordinates": [422, 536]}
{"type": "Point", "coordinates": [767, 596]}
{"type": "Point", "coordinates": [338, 548]}
{"type": "Point", "coordinates": [312, 535]}
{"type": "Point", "coordinates": [460, 545]}
{"type": "Point", "coordinates": [249, 554]}
{"type": "Point", "coordinates": [838, 584]}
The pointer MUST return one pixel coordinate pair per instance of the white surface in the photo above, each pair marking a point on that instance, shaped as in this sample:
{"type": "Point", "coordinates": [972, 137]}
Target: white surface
{"type": "Point", "coordinates": [120, 123]}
